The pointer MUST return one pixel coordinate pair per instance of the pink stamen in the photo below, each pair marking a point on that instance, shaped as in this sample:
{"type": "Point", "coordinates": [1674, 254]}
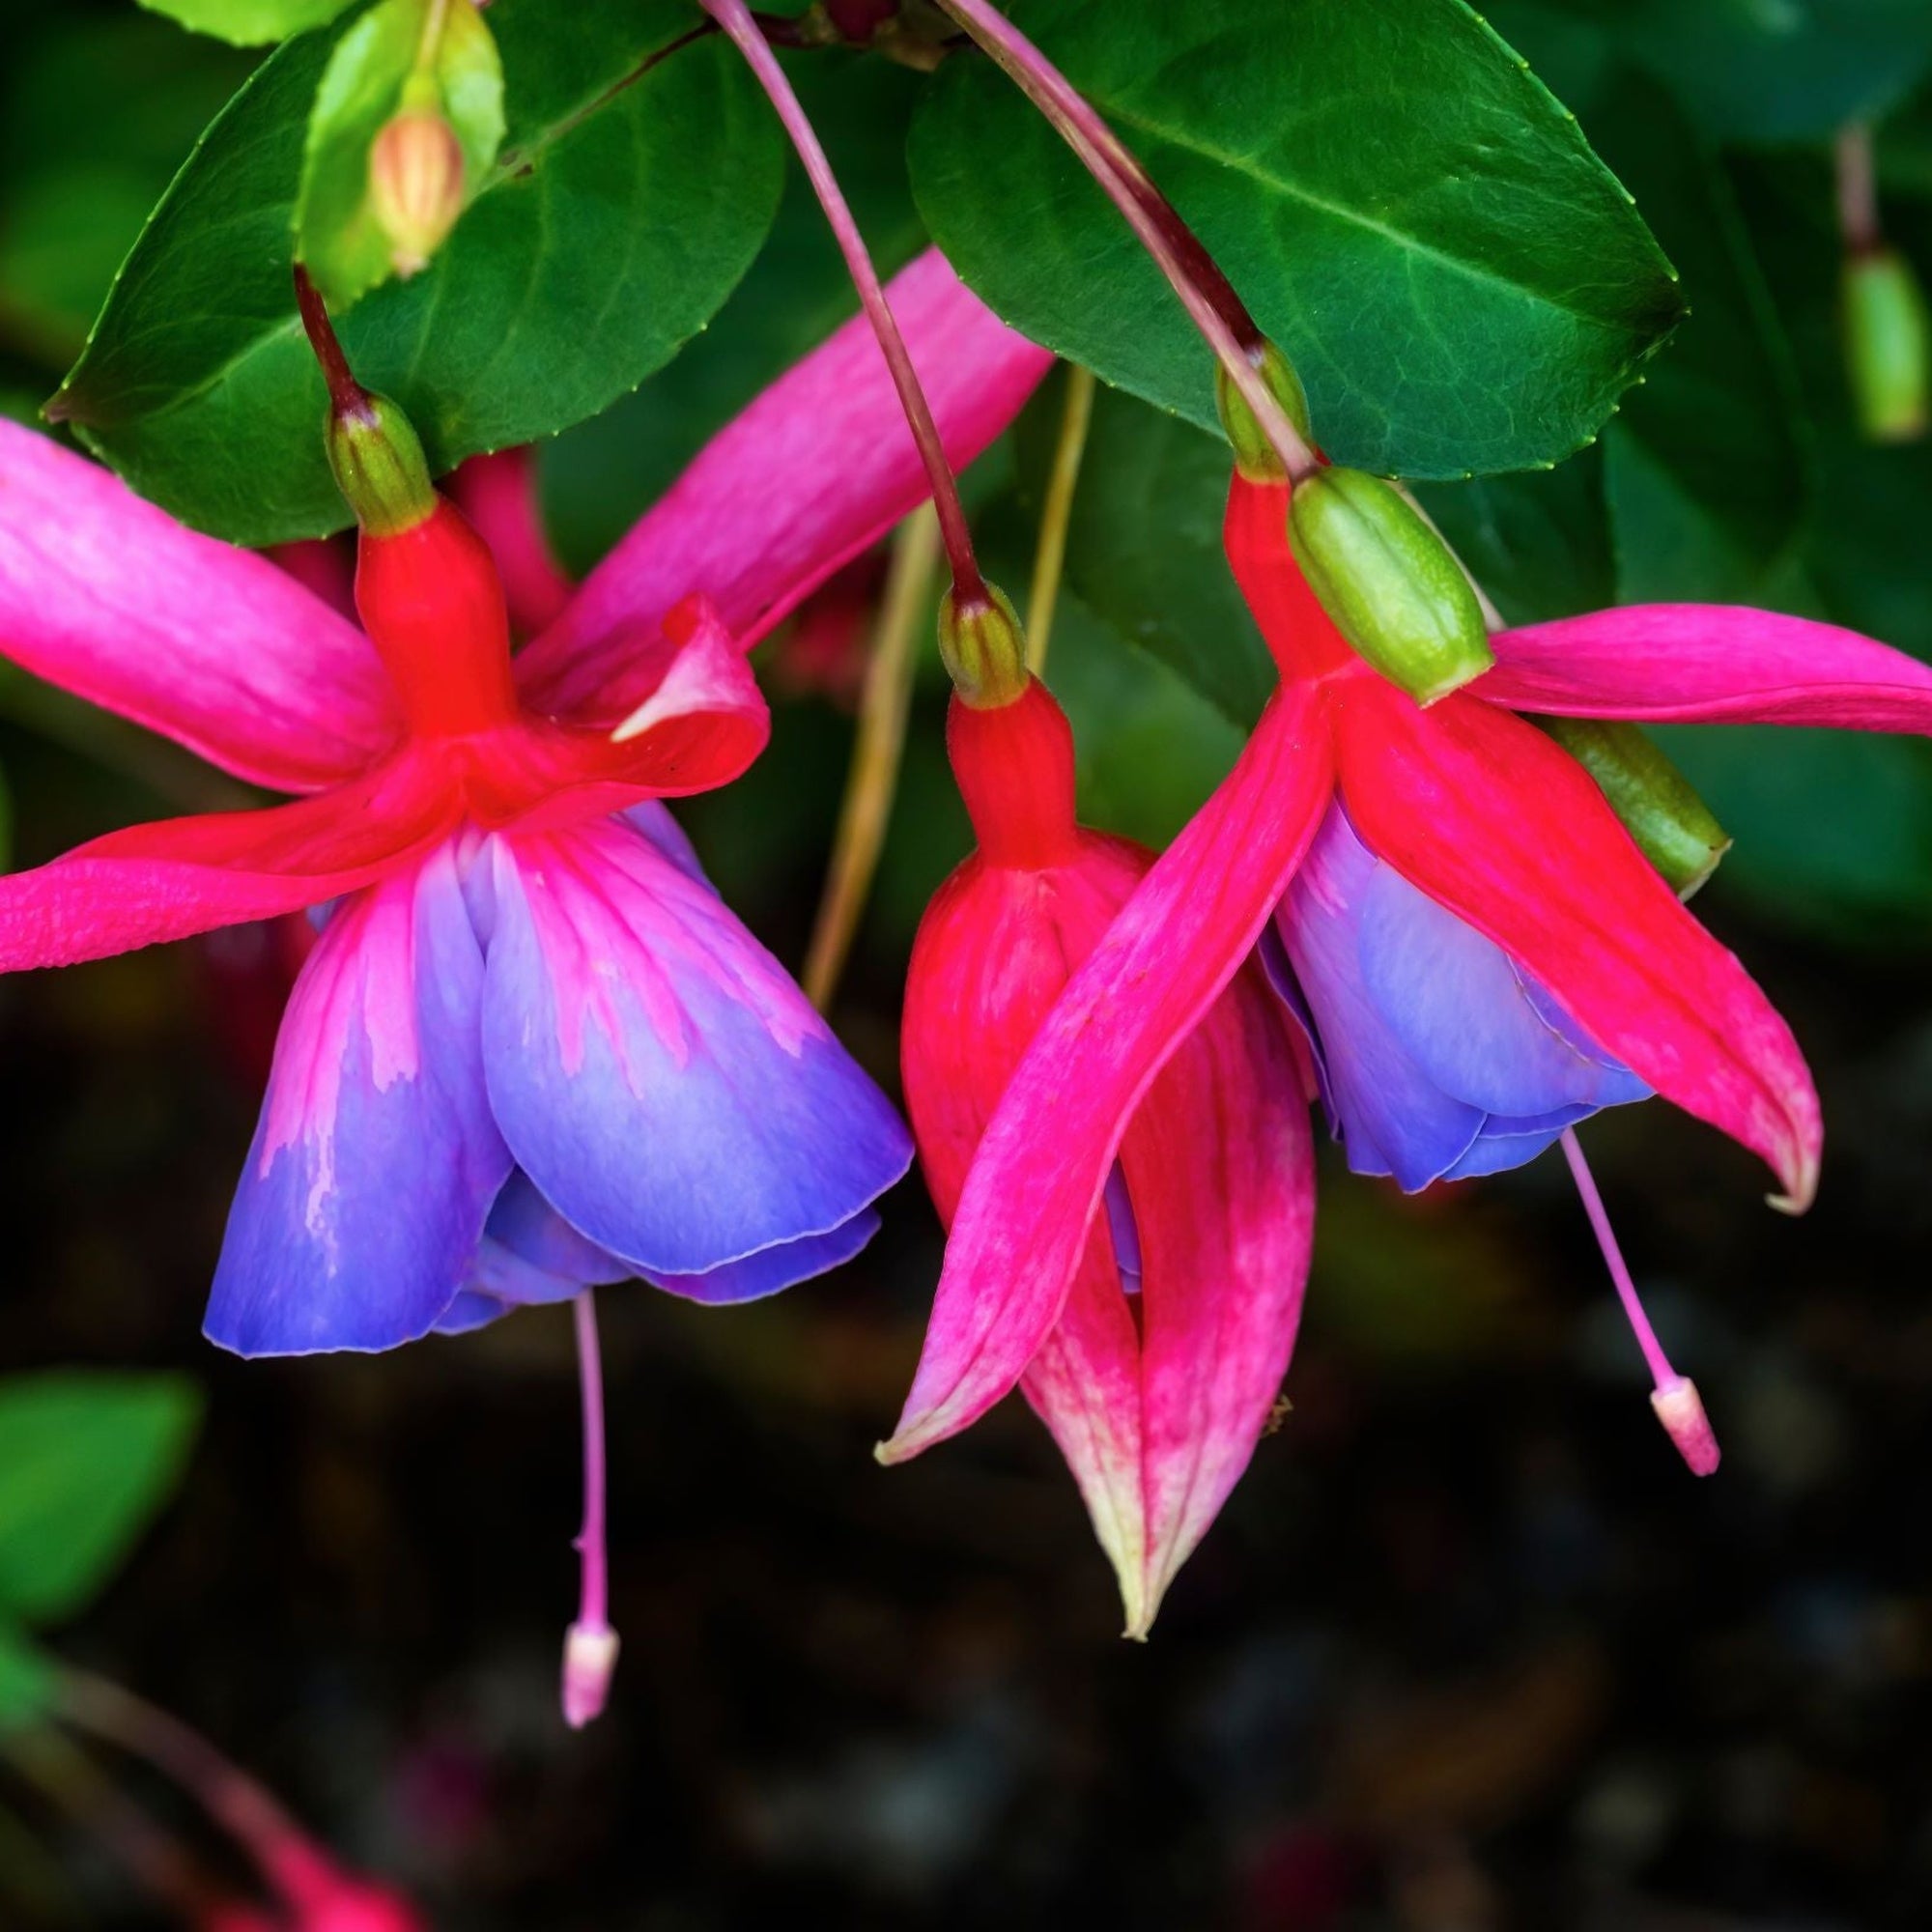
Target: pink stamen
{"type": "Point", "coordinates": [737, 21]}
{"type": "Point", "coordinates": [1675, 1397]}
{"type": "Point", "coordinates": [591, 1645]}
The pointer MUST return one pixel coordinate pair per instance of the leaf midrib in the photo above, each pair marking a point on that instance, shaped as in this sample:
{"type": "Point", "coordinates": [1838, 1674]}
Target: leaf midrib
{"type": "Point", "coordinates": [1242, 165]}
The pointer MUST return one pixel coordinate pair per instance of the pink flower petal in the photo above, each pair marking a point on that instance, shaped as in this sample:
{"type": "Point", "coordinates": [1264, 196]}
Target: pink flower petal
{"type": "Point", "coordinates": [1712, 662]}
{"type": "Point", "coordinates": [1494, 821]}
{"type": "Point", "coordinates": [700, 724]}
{"type": "Point", "coordinates": [816, 469]}
{"type": "Point", "coordinates": [1219, 1164]}
{"type": "Point", "coordinates": [184, 875]}
{"type": "Point", "coordinates": [1036, 1184]}
{"type": "Point", "coordinates": [111, 599]}
{"type": "Point", "coordinates": [498, 494]}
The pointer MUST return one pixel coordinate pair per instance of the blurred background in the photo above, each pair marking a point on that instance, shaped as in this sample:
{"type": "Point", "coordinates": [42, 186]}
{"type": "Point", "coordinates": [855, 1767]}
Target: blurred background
{"type": "Point", "coordinates": [1469, 1648]}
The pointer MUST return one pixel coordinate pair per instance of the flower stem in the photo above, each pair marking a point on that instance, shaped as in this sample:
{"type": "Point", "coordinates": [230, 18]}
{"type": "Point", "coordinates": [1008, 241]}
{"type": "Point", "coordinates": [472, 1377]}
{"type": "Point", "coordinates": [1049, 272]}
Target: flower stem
{"type": "Point", "coordinates": [590, 1644]}
{"type": "Point", "coordinates": [348, 399]}
{"type": "Point", "coordinates": [736, 17]}
{"type": "Point", "coordinates": [873, 779]}
{"type": "Point", "coordinates": [251, 1814]}
{"type": "Point", "coordinates": [1049, 556]}
{"type": "Point", "coordinates": [1858, 189]}
{"type": "Point", "coordinates": [1206, 293]}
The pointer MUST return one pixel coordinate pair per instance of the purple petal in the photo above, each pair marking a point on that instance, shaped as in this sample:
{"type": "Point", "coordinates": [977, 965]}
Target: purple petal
{"type": "Point", "coordinates": [376, 1158]}
{"type": "Point", "coordinates": [773, 1269]}
{"type": "Point", "coordinates": [658, 1075]}
{"type": "Point", "coordinates": [1395, 1119]}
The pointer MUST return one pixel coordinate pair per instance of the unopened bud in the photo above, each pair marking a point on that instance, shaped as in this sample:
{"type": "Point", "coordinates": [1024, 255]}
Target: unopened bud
{"type": "Point", "coordinates": [589, 1660]}
{"type": "Point", "coordinates": [416, 185]}
{"type": "Point", "coordinates": [1387, 581]}
{"type": "Point", "coordinates": [982, 646]}
{"type": "Point", "coordinates": [1887, 345]}
{"type": "Point", "coordinates": [379, 467]}
{"type": "Point", "coordinates": [1681, 1409]}
{"type": "Point", "coordinates": [1255, 455]}
{"type": "Point", "coordinates": [1673, 828]}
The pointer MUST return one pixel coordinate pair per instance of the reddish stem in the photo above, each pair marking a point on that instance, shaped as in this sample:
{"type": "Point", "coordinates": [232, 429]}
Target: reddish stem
{"type": "Point", "coordinates": [736, 20]}
{"type": "Point", "coordinates": [347, 397]}
{"type": "Point", "coordinates": [1858, 189]}
{"type": "Point", "coordinates": [1204, 292]}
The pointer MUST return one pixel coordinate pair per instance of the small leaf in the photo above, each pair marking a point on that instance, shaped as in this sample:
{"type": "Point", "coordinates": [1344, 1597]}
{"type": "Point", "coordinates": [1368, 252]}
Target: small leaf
{"type": "Point", "coordinates": [1461, 283]}
{"type": "Point", "coordinates": [339, 232]}
{"type": "Point", "coordinates": [631, 193]}
{"type": "Point", "coordinates": [85, 1459]}
{"type": "Point", "coordinates": [26, 1680]}
{"type": "Point", "coordinates": [249, 23]}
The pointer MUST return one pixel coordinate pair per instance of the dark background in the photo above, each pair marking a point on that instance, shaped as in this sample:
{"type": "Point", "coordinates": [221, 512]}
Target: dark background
{"type": "Point", "coordinates": [1468, 1649]}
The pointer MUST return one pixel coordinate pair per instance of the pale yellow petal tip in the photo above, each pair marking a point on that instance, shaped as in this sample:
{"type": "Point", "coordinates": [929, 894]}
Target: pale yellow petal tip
{"type": "Point", "coordinates": [634, 726]}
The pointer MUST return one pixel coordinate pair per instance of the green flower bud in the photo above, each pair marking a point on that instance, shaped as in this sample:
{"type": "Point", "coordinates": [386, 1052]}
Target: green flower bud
{"type": "Point", "coordinates": [1388, 582]}
{"type": "Point", "coordinates": [983, 648]}
{"type": "Point", "coordinates": [379, 465]}
{"type": "Point", "coordinates": [1254, 454]}
{"type": "Point", "coordinates": [1674, 829]}
{"type": "Point", "coordinates": [1887, 345]}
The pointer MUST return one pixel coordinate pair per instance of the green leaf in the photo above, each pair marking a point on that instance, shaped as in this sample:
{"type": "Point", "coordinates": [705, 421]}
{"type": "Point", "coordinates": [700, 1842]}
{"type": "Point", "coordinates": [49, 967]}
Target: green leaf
{"type": "Point", "coordinates": [598, 475]}
{"type": "Point", "coordinates": [1776, 70]}
{"type": "Point", "coordinates": [75, 188]}
{"type": "Point", "coordinates": [1144, 544]}
{"type": "Point", "coordinates": [616, 221]}
{"type": "Point", "coordinates": [85, 1459]}
{"type": "Point", "coordinates": [1539, 543]}
{"type": "Point", "coordinates": [338, 234]}
{"type": "Point", "coordinates": [249, 23]}
{"type": "Point", "coordinates": [26, 1679]}
{"type": "Point", "coordinates": [1461, 283]}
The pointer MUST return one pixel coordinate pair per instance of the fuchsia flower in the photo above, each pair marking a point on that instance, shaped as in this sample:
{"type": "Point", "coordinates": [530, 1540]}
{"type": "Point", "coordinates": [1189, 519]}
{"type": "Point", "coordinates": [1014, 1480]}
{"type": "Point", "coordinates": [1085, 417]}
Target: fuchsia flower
{"type": "Point", "coordinates": [1469, 899]}
{"type": "Point", "coordinates": [1158, 1374]}
{"type": "Point", "coordinates": [531, 1049]}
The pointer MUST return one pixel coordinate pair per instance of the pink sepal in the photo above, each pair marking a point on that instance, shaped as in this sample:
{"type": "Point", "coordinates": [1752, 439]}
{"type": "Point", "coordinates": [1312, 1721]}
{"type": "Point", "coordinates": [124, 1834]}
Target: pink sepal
{"type": "Point", "coordinates": [1490, 819]}
{"type": "Point", "coordinates": [1035, 1185]}
{"type": "Point", "coordinates": [816, 469]}
{"type": "Point", "coordinates": [111, 599]}
{"type": "Point", "coordinates": [1708, 663]}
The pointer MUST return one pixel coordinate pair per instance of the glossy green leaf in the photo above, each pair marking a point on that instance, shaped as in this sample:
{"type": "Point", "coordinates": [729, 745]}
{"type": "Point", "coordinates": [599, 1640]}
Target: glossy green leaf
{"type": "Point", "coordinates": [249, 23]}
{"type": "Point", "coordinates": [1144, 544]}
{"type": "Point", "coordinates": [615, 222]}
{"type": "Point", "coordinates": [1461, 283]}
{"type": "Point", "coordinates": [338, 233]}
{"type": "Point", "coordinates": [599, 475]}
{"type": "Point", "coordinates": [1538, 542]}
{"type": "Point", "coordinates": [85, 1459]}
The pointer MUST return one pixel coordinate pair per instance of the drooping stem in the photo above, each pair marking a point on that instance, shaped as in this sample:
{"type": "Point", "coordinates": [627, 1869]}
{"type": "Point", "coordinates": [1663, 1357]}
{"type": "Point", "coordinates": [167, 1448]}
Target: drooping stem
{"type": "Point", "coordinates": [347, 397]}
{"type": "Point", "coordinates": [593, 1611]}
{"type": "Point", "coordinates": [252, 1815]}
{"type": "Point", "coordinates": [1204, 292]}
{"type": "Point", "coordinates": [1049, 556]}
{"type": "Point", "coordinates": [873, 779]}
{"type": "Point", "coordinates": [1858, 189]}
{"type": "Point", "coordinates": [736, 17]}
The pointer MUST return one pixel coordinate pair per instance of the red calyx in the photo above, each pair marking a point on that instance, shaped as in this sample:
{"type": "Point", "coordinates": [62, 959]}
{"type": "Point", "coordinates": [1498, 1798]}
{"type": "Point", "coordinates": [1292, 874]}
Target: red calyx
{"type": "Point", "coordinates": [1301, 637]}
{"type": "Point", "coordinates": [1014, 767]}
{"type": "Point", "coordinates": [430, 600]}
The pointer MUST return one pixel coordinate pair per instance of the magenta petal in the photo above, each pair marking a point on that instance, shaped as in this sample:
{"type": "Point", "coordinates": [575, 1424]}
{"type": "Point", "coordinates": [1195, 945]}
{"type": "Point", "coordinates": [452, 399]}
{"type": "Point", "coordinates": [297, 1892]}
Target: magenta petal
{"type": "Point", "coordinates": [816, 469]}
{"type": "Point", "coordinates": [111, 599]}
{"type": "Point", "coordinates": [376, 1158]}
{"type": "Point", "coordinates": [1037, 1179]}
{"type": "Point", "coordinates": [1712, 662]}
{"type": "Point", "coordinates": [185, 875]}
{"type": "Point", "coordinates": [661, 1079]}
